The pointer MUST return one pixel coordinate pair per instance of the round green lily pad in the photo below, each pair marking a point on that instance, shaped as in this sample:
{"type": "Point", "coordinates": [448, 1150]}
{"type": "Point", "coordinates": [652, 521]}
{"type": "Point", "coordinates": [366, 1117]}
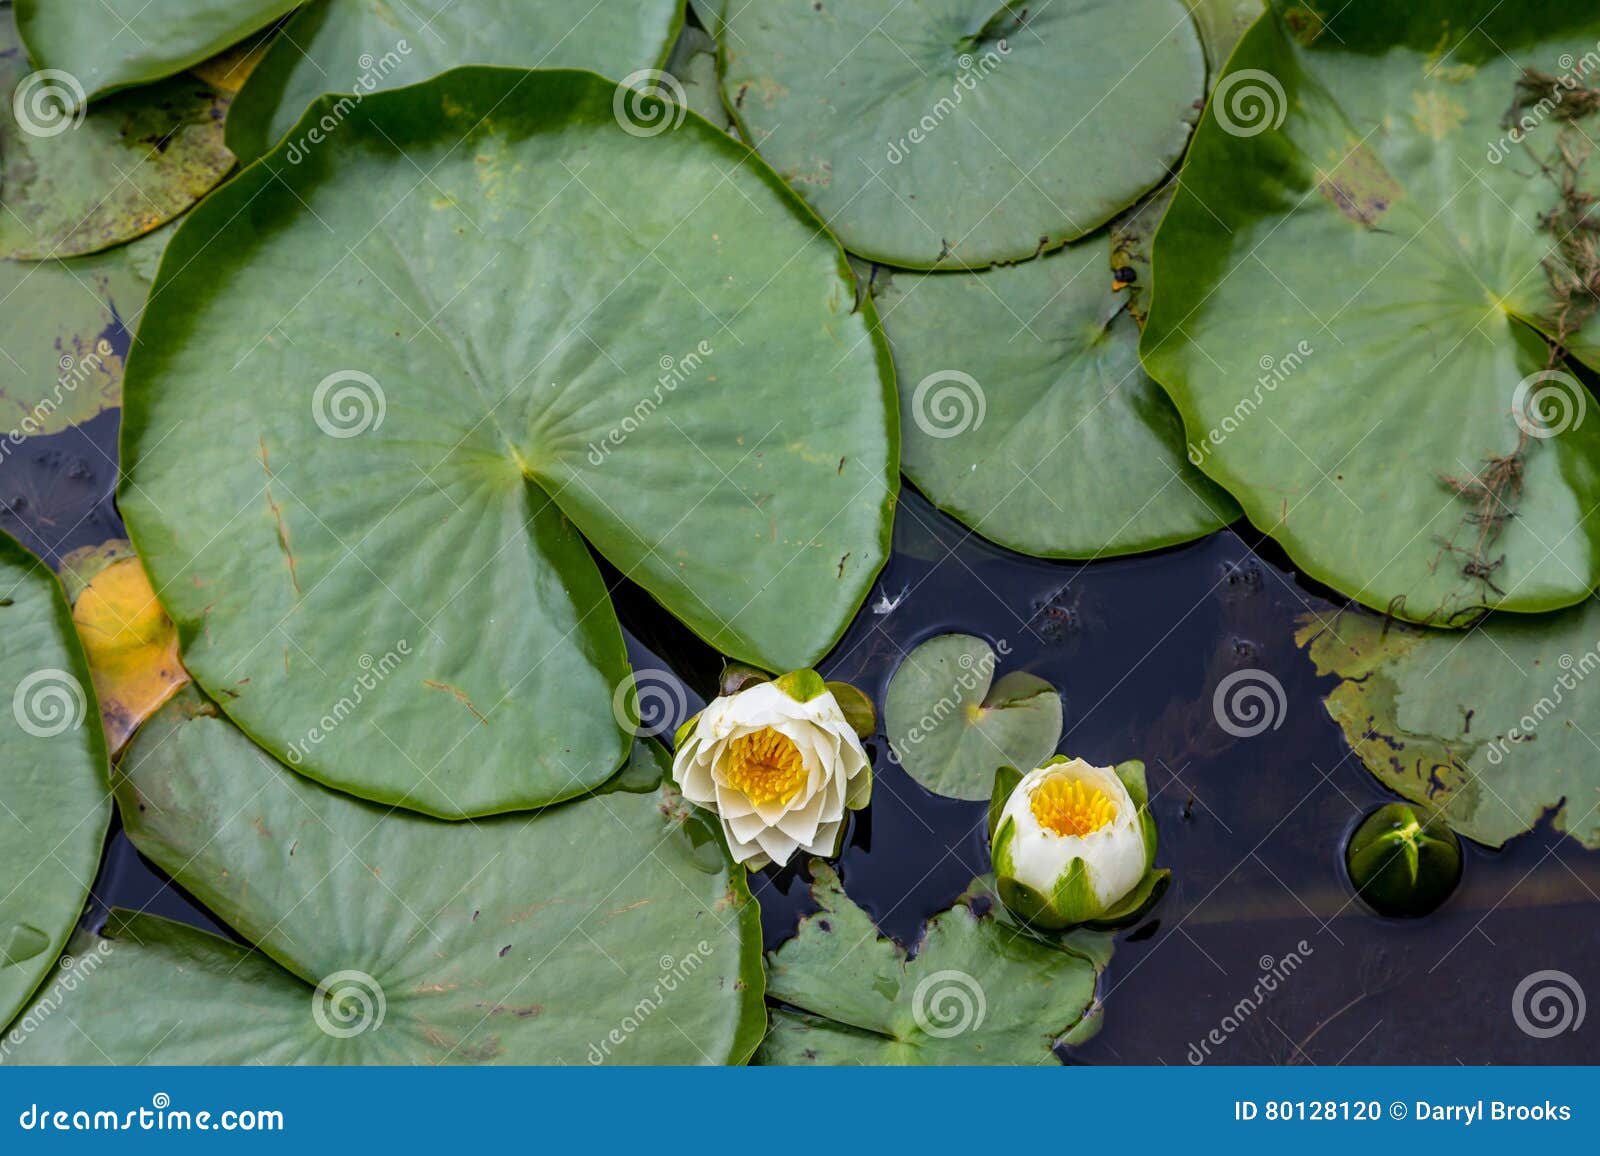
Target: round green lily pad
{"type": "Point", "coordinates": [360, 47]}
{"type": "Point", "coordinates": [959, 133]}
{"type": "Point", "coordinates": [1402, 864]}
{"type": "Point", "coordinates": [56, 801]}
{"type": "Point", "coordinates": [384, 937]}
{"type": "Point", "coordinates": [113, 44]}
{"type": "Point", "coordinates": [1025, 413]}
{"type": "Point", "coordinates": [952, 724]}
{"type": "Point", "coordinates": [568, 336]}
{"type": "Point", "coordinates": [1359, 357]}
{"type": "Point", "coordinates": [979, 991]}
{"type": "Point", "coordinates": [82, 178]}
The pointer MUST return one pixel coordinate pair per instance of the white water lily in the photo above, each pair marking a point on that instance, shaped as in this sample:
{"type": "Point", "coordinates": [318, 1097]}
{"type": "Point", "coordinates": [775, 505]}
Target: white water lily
{"type": "Point", "coordinates": [1073, 845]}
{"type": "Point", "coordinates": [780, 765]}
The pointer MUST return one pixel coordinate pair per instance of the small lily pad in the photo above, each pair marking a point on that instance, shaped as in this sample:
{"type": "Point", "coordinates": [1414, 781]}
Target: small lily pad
{"type": "Point", "coordinates": [82, 178]}
{"type": "Point", "coordinates": [55, 803]}
{"type": "Point", "coordinates": [979, 991]}
{"type": "Point", "coordinates": [952, 724]}
{"type": "Point", "coordinates": [383, 937]}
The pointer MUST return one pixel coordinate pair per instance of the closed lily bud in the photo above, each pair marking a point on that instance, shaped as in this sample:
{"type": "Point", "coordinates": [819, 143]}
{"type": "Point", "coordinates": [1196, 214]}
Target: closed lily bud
{"type": "Point", "coordinates": [779, 763]}
{"type": "Point", "coordinates": [1074, 844]}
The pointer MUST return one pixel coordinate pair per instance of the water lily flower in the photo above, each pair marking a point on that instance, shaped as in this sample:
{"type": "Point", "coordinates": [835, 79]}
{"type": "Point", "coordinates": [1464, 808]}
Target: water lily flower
{"type": "Point", "coordinates": [1074, 843]}
{"type": "Point", "coordinates": [780, 764]}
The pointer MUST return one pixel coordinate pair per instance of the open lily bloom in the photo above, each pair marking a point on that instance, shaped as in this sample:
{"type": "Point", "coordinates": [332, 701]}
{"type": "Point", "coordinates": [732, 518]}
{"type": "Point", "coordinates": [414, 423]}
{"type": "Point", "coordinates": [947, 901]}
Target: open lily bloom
{"type": "Point", "coordinates": [1074, 843]}
{"type": "Point", "coordinates": [780, 765]}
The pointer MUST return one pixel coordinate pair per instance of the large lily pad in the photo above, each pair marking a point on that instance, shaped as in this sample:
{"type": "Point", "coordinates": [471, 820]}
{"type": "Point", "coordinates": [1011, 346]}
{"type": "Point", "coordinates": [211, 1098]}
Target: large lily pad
{"type": "Point", "coordinates": [959, 133]}
{"type": "Point", "coordinates": [448, 381]}
{"type": "Point", "coordinates": [1355, 285]}
{"type": "Point", "coordinates": [365, 46]}
{"type": "Point", "coordinates": [529, 948]}
{"type": "Point", "coordinates": [54, 800]}
{"type": "Point", "coordinates": [1025, 413]}
{"type": "Point", "coordinates": [1491, 730]}
{"type": "Point", "coordinates": [112, 44]}
{"type": "Point", "coordinates": [952, 724]}
{"type": "Point", "coordinates": [80, 180]}
{"type": "Point", "coordinates": [980, 990]}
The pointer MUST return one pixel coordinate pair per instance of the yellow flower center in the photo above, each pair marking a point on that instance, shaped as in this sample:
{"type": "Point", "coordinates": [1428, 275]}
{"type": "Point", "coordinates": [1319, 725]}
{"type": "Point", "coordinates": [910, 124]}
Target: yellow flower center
{"type": "Point", "coordinates": [766, 766]}
{"type": "Point", "coordinates": [1072, 807]}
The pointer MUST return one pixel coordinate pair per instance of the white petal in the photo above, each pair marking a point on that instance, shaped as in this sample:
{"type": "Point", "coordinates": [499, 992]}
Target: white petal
{"type": "Point", "coordinates": [775, 843]}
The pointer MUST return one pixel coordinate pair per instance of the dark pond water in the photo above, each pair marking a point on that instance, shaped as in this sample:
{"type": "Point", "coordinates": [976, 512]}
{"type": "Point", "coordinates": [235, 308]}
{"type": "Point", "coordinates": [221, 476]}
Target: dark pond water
{"type": "Point", "coordinates": [1252, 828]}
